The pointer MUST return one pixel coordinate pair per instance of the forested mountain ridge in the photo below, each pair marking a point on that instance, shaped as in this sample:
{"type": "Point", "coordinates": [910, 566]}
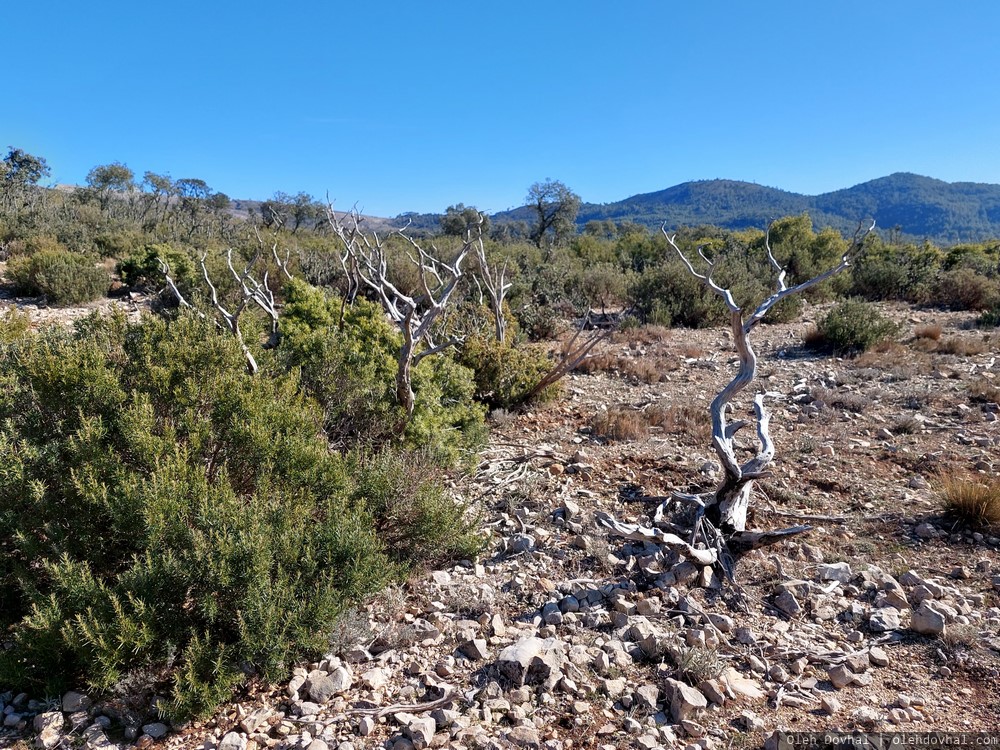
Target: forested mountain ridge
{"type": "Point", "coordinates": [921, 207]}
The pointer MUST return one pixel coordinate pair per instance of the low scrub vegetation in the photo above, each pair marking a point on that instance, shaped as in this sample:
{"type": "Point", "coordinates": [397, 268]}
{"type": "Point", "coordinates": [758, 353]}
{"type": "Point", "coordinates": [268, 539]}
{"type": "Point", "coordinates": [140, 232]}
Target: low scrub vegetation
{"type": "Point", "coordinates": [169, 521]}
{"type": "Point", "coordinates": [62, 277]}
{"type": "Point", "coordinates": [850, 327]}
{"type": "Point", "coordinates": [971, 500]}
{"type": "Point", "coordinates": [164, 513]}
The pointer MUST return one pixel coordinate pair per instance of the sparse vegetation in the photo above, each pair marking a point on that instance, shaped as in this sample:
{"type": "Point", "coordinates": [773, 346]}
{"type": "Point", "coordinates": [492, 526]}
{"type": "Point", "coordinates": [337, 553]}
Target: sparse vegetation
{"type": "Point", "coordinates": [972, 500]}
{"type": "Point", "coordinates": [171, 524]}
{"type": "Point", "coordinates": [619, 423]}
{"type": "Point", "coordinates": [852, 326]}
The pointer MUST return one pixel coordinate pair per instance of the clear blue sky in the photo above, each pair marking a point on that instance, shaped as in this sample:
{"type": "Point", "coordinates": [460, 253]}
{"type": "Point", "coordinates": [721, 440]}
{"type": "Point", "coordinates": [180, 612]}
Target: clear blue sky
{"type": "Point", "coordinates": [403, 106]}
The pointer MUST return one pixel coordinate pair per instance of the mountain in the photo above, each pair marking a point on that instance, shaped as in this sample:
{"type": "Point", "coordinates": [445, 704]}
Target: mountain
{"type": "Point", "coordinates": [921, 207]}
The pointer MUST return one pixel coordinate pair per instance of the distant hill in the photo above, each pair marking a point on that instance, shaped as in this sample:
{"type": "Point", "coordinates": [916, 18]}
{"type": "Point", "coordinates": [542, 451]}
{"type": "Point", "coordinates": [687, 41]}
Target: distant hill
{"type": "Point", "coordinates": [921, 207]}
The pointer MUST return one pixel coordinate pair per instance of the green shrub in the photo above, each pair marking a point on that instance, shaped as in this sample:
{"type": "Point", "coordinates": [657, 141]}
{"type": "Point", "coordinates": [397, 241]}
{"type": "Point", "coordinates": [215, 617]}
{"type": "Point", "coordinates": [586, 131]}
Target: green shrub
{"type": "Point", "coordinates": [853, 326]}
{"type": "Point", "coordinates": [418, 522]}
{"type": "Point", "coordinates": [142, 270]}
{"type": "Point", "coordinates": [668, 294]}
{"type": "Point", "coordinates": [989, 318]}
{"type": "Point", "coordinates": [965, 289]}
{"type": "Point", "coordinates": [540, 322]}
{"type": "Point", "coordinates": [118, 243]}
{"type": "Point", "coordinates": [895, 272]}
{"type": "Point", "coordinates": [62, 277]}
{"type": "Point", "coordinates": [350, 368]}
{"type": "Point", "coordinates": [504, 374]}
{"type": "Point", "coordinates": [164, 513]}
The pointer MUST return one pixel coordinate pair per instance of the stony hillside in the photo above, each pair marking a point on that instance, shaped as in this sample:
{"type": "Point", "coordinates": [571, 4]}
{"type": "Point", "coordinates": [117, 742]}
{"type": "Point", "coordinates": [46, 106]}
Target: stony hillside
{"type": "Point", "coordinates": [886, 616]}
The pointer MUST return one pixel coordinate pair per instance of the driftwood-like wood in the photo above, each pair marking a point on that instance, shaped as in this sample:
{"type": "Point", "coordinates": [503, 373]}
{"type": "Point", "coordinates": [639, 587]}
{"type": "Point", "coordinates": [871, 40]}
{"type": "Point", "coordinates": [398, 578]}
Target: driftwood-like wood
{"type": "Point", "coordinates": [496, 286]}
{"type": "Point", "coordinates": [253, 292]}
{"type": "Point", "coordinates": [365, 261]}
{"type": "Point", "coordinates": [721, 516]}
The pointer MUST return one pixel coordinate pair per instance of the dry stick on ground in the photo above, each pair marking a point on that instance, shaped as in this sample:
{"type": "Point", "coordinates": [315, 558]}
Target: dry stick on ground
{"type": "Point", "coordinates": [720, 525]}
{"type": "Point", "coordinates": [365, 256]}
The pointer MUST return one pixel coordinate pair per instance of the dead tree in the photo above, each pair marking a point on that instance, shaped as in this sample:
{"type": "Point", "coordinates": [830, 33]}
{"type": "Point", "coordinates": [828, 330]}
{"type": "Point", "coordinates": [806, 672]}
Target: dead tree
{"type": "Point", "coordinates": [252, 293]}
{"type": "Point", "coordinates": [365, 259]}
{"type": "Point", "coordinates": [720, 520]}
{"type": "Point", "coordinates": [496, 287]}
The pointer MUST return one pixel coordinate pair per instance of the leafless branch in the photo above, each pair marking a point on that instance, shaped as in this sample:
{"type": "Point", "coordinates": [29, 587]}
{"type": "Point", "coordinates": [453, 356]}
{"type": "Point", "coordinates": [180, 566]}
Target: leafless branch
{"type": "Point", "coordinates": [365, 261]}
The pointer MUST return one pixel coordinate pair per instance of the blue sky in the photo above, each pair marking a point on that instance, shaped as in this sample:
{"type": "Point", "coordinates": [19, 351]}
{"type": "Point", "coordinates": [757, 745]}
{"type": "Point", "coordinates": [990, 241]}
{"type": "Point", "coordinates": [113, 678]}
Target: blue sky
{"type": "Point", "coordinates": [415, 106]}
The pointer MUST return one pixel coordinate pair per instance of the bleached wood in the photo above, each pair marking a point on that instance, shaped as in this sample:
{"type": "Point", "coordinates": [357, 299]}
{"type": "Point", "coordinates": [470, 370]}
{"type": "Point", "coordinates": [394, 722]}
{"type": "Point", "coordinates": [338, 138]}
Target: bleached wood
{"type": "Point", "coordinates": [732, 498]}
{"type": "Point", "coordinates": [720, 529]}
{"type": "Point", "coordinates": [364, 259]}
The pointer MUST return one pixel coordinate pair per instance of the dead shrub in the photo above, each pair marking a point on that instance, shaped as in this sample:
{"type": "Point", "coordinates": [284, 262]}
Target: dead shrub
{"type": "Point", "coordinates": [972, 500]}
{"type": "Point", "coordinates": [907, 425]}
{"type": "Point", "coordinates": [963, 347]}
{"type": "Point", "coordinates": [930, 331]}
{"type": "Point", "coordinates": [917, 399]}
{"type": "Point", "coordinates": [680, 419]}
{"type": "Point", "coordinates": [619, 424]}
{"type": "Point", "coordinates": [984, 391]}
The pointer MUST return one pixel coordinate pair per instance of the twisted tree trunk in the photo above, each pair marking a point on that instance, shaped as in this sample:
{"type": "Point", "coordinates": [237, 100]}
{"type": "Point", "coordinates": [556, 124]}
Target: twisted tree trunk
{"type": "Point", "coordinates": [720, 526]}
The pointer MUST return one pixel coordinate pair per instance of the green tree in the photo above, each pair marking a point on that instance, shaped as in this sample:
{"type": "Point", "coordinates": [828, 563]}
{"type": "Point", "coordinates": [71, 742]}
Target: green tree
{"type": "Point", "coordinates": [459, 219]}
{"type": "Point", "coordinates": [304, 210]}
{"type": "Point", "coordinates": [556, 207]}
{"type": "Point", "coordinates": [276, 210]}
{"type": "Point", "coordinates": [22, 168]}
{"type": "Point", "coordinates": [159, 190]}
{"type": "Point", "coordinates": [109, 179]}
{"type": "Point", "coordinates": [20, 173]}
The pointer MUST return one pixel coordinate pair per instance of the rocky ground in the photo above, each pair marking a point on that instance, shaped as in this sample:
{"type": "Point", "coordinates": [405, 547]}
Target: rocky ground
{"type": "Point", "coordinates": [886, 616]}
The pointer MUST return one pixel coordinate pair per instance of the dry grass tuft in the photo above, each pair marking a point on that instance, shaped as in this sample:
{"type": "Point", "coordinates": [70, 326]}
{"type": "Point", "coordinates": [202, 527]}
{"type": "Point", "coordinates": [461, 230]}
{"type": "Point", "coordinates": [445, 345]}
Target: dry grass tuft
{"type": "Point", "coordinates": [643, 370]}
{"type": "Point", "coordinates": [620, 424]}
{"type": "Point", "coordinates": [646, 334]}
{"type": "Point", "coordinates": [893, 358]}
{"type": "Point", "coordinates": [930, 331]}
{"type": "Point", "coordinates": [963, 347]}
{"type": "Point", "coordinates": [690, 351]}
{"type": "Point", "coordinates": [925, 345]}
{"type": "Point", "coordinates": [972, 500]}
{"type": "Point", "coordinates": [852, 401]}
{"type": "Point", "coordinates": [596, 363]}
{"type": "Point", "coordinates": [984, 391]}
{"type": "Point", "coordinates": [681, 419]}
